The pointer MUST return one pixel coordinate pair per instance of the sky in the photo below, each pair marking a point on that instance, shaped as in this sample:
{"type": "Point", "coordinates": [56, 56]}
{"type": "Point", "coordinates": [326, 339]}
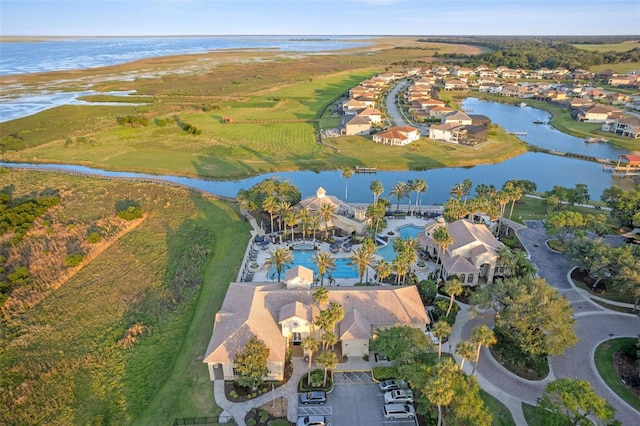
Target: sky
{"type": "Point", "coordinates": [313, 17]}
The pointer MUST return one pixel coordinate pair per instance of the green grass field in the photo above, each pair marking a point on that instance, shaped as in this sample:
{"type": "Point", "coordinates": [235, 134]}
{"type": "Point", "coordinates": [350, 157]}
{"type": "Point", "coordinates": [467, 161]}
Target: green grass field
{"type": "Point", "coordinates": [625, 46]}
{"type": "Point", "coordinates": [619, 68]}
{"type": "Point", "coordinates": [63, 362]}
{"type": "Point", "coordinates": [500, 413]}
{"type": "Point", "coordinates": [604, 364]}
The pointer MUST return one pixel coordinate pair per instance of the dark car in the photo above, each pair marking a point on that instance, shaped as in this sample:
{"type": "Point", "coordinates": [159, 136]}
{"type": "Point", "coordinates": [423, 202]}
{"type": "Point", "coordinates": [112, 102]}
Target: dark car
{"type": "Point", "coordinates": [313, 397]}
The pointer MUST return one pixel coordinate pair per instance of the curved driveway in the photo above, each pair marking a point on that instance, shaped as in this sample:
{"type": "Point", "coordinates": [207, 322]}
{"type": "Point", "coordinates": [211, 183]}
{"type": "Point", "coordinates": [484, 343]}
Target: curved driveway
{"type": "Point", "coordinates": [594, 325]}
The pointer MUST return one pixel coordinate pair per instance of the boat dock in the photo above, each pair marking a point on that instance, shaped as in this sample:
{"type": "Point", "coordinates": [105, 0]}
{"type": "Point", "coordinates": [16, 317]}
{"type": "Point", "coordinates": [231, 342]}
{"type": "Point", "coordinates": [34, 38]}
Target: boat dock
{"type": "Point", "coordinates": [366, 169]}
{"type": "Point", "coordinates": [596, 140]}
{"type": "Point", "coordinates": [518, 133]}
{"type": "Point", "coordinates": [627, 166]}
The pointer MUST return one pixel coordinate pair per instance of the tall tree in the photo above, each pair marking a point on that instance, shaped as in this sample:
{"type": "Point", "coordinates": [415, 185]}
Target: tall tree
{"type": "Point", "coordinates": [457, 190]}
{"type": "Point", "coordinates": [467, 185]}
{"type": "Point", "coordinates": [270, 205]}
{"type": "Point", "coordinates": [361, 259]}
{"type": "Point", "coordinates": [453, 287]}
{"type": "Point", "coordinates": [441, 389]}
{"type": "Point", "coordinates": [320, 296]}
{"type": "Point", "coordinates": [284, 207]}
{"type": "Point", "coordinates": [481, 336]}
{"type": "Point", "coordinates": [442, 330]}
{"type": "Point", "coordinates": [328, 338]}
{"type": "Point", "coordinates": [383, 269]}
{"type": "Point", "coordinates": [325, 262]}
{"type": "Point", "coordinates": [624, 205]}
{"type": "Point", "coordinates": [279, 259]}
{"type": "Point", "coordinates": [328, 360]}
{"type": "Point", "coordinates": [577, 400]}
{"type": "Point", "coordinates": [420, 186]}
{"type": "Point", "coordinates": [465, 350]}
{"type": "Point", "coordinates": [377, 189]}
{"type": "Point", "coordinates": [251, 364]}
{"type": "Point", "coordinates": [346, 174]}
{"type": "Point", "coordinates": [399, 191]}
{"type": "Point", "coordinates": [303, 217]}
{"type": "Point", "coordinates": [628, 274]}
{"type": "Point", "coordinates": [327, 210]}
{"type": "Point", "coordinates": [535, 317]}
{"type": "Point", "coordinates": [401, 344]}
{"type": "Point", "coordinates": [564, 222]}
{"type": "Point", "coordinates": [444, 240]}
{"type": "Point", "coordinates": [290, 219]}
{"type": "Point", "coordinates": [310, 345]}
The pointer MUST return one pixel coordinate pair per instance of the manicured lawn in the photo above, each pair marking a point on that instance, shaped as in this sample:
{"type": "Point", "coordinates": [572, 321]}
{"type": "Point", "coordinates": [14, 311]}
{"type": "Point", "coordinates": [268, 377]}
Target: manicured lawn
{"type": "Point", "coordinates": [538, 417]}
{"type": "Point", "coordinates": [63, 360]}
{"type": "Point", "coordinates": [529, 208]}
{"type": "Point", "coordinates": [501, 414]}
{"type": "Point", "coordinates": [604, 364]}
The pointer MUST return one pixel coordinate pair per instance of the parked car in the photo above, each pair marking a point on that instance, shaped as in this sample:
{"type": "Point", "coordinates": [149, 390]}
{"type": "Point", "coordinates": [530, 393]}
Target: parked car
{"type": "Point", "coordinates": [313, 397]}
{"type": "Point", "coordinates": [391, 384]}
{"type": "Point", "coordinates": [312, 421]}
{"type": "Point", "coordinates": [398, 411]}
{"type": "Point", "coordinates": [399, 396]}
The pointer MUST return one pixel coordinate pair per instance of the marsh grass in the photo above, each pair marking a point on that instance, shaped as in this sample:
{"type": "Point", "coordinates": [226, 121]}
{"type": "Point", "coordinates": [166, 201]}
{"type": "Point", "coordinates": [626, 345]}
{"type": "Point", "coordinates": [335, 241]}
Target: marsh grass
{"type": "Point", "coordinates": [66, 363]}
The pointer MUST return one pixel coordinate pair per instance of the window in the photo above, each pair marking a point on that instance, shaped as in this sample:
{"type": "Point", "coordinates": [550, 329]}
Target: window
{"type": "Point", "coordinates": [296, 338]}
{"type": "Point", "coordinates": [462, 277]}
{"type": "Point", "coordinates": [470, 279]}
{"type": "Point", "coordinates": [234, 371]}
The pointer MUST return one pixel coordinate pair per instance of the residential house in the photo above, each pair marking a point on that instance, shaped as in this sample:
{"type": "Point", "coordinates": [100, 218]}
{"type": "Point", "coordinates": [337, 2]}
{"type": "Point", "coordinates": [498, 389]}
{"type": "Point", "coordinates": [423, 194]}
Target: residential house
{"type": "Point", "coordinates": [440, 111]}
{"type": "Point", "coordinates": [373, 115]}
{"type": "Point", "coordinates": [480, 120]}
{"type": "Point", "coordinates": [355, 125]}
{"type": "Point", "coordinates": [457, 117]}
{"type": "Point", "coordinates": [352, 106]}
{"type": "Point", "coordinates": [447, 132]}
{"type": "Point", "coordinates": [281, 315]}
{"type": "Point", "coordinates": [473, 256]}
{"type": "Point", "coordinates": [398, 135]}
{"type": "Point", "coordinates": [628, 127]}
{"type": "Point", "coordinates": [598, 114]}
{"type": "Point", "coordinates": [455, 85]}
{"type": "Point", "coordinates": [490, 87]}
{"type": "Point", "coordinates": [578, 103]}
{"type": "Point", "coordinates": [348, 219]}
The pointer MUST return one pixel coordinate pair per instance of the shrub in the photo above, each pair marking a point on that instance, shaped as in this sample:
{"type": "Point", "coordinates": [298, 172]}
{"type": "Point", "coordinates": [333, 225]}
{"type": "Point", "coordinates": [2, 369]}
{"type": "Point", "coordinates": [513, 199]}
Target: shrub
{"type": "Point", "coordinates": [73, 260]}
{"type": "Point", "coordinates": [131, 213]}
{"type": "Point", "coordinates": [428, 291]}
{"type": "Point", "coordinates": [264, 416]}
{"type": "Point", "coordinates": [233, 394]}
{"type": "Point", "coordinates": [383, 373]}
{"type": "Point", "coordinates": [94, 237]}
{"type": "Point", "coordinates": [440, 310]}
{"type": "Point", "coordinates": [252, 422]}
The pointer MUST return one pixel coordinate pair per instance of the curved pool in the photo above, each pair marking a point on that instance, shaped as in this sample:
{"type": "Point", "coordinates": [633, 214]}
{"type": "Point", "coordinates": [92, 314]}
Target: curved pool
{"type": "Point", "coordinates": [407, 231]}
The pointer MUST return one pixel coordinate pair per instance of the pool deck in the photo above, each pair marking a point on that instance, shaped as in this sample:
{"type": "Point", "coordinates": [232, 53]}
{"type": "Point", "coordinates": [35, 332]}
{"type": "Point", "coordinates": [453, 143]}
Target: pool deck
{"type": "Point", "coordinates": [252, 268]}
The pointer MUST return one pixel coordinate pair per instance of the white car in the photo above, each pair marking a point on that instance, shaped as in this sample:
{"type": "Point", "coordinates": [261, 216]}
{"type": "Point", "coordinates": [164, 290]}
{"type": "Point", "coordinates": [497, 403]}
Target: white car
{"type": "Point", "coordinates": [398, 396]}
{"type": "Point", "coordinates": [399, 411]}
{"type": "Point", "coordinates": [312, 421]}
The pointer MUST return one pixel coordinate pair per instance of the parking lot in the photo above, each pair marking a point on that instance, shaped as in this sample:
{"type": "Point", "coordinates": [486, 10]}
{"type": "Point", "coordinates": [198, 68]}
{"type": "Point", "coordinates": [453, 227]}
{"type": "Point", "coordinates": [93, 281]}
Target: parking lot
{"type": "Point", "coordinates": [355, 401]}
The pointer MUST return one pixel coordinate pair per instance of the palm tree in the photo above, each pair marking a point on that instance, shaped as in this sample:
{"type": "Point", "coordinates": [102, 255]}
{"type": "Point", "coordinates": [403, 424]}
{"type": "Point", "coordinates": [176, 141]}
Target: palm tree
{"type": "Point", "coordinates": [440, 390]}
{"type": "Point", "coordinates": [328, 339]}
{"type": "Point", "coordinates": [465, 350]}
{"type": "Point", "coordinates": [481, 336]}
{"type": "Point", "coordinates": [507, 259]}
{"type": "Point", "coordinates": [420, 186]}
{"type": "Point", "coordinates": [290, 219]}
{"type": "Point", "coordinates": [453, 288]}
{"type": "Point", "coordinates": [310, 345]}
{"type": "Point", "coordinates": [346, 174]}
{"type": "Point", "coordinates": [320, 296]}
{"type": "Point", "coordinates": [336, 313]}
{"type": "Point", "coordinates": [444, 240]}
{"type": "Point", "coordinates": [400, 267]}
{"type": "Point", "coordinates": [327, 210]}
{"type": "Point", "coordinates": [466, 186]}
{"type": "Point", "coordinates": [325, 262]}
{"type": "Point", "coordinates": [283, 208]}
{"type": "Point", "coordinates": [377, 189]}
{"type": "Point", "coordinates": [361, 259]}
{"type": "Point", "coordinates": [303, 217]}
{"type": "Point", "coordinates": [516, 194]}
{"type": "Point", "coordinates": [328, 360]}
{"type": "Point", "coordinates": [502, 199]}
{"type": "Point", "coordinates": [279, 259]}
{"type": "Point", "coordinates": [314, 224]}
{"type": "Point", "coordinates": [442, 330]}
{"type": "Point", "coordinates": [270, 205]}
{"type": "Point", "coordinates": [410, 188]}
{"type": "Point", "coordinates": [383, 269]}
{"type": "Point", "coordinates": [457, 191]}
{"type": "Point", "coordinates": [399, 190]}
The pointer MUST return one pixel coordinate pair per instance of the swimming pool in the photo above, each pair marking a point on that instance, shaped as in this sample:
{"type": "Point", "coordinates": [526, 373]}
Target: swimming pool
{"type": "Point", "coordinates": [406, 231]}
{"type": "Point", "coordinates": [305, 258]}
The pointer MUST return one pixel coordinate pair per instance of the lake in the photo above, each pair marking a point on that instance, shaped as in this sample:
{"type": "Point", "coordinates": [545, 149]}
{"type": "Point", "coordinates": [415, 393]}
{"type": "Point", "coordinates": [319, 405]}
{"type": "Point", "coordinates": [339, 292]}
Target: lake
{"type": "Point", "coordinates": [544, 169]}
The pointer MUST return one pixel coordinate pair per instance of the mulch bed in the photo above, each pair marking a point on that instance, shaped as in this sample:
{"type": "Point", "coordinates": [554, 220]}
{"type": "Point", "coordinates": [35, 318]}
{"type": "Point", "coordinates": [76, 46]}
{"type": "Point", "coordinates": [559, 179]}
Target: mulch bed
{"type": "Point", "coordinates": [245, 394]}
{"type": "Point", "coordinates": [580, 275]}
{"type": "Point", "coordinates": [627, 370]}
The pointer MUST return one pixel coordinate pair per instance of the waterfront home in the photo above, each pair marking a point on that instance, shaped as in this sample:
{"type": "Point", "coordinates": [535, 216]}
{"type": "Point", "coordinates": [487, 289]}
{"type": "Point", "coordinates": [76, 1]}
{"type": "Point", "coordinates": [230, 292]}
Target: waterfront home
{"type": "Point", "coordinates": [598, 114]}
{"type": "Point", "coordinates": [281, 315]}
{"type": "Point", "coordinates": [628, 127]}
{"type": "Point", "coordinates": [440, 111]}
{"type": "Point", "coordinates": [457, 117]}
{"type": "Point", "coordinates": [355, 125]}
{"type": "Point", "coordinates": [473, 256]}
{"type": "Point", "coordinates": [455, 85]}
{"type": "Point", "coordinates": [490, 87]}
{"type": "Point", "coordinates": [398, 135]}
{"type": "Point", "coordinates": [447, 132]}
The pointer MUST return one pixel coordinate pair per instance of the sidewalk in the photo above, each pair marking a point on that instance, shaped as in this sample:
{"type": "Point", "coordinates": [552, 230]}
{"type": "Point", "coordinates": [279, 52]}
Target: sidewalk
{"type": "Point", "coordinates": [238, 410]}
